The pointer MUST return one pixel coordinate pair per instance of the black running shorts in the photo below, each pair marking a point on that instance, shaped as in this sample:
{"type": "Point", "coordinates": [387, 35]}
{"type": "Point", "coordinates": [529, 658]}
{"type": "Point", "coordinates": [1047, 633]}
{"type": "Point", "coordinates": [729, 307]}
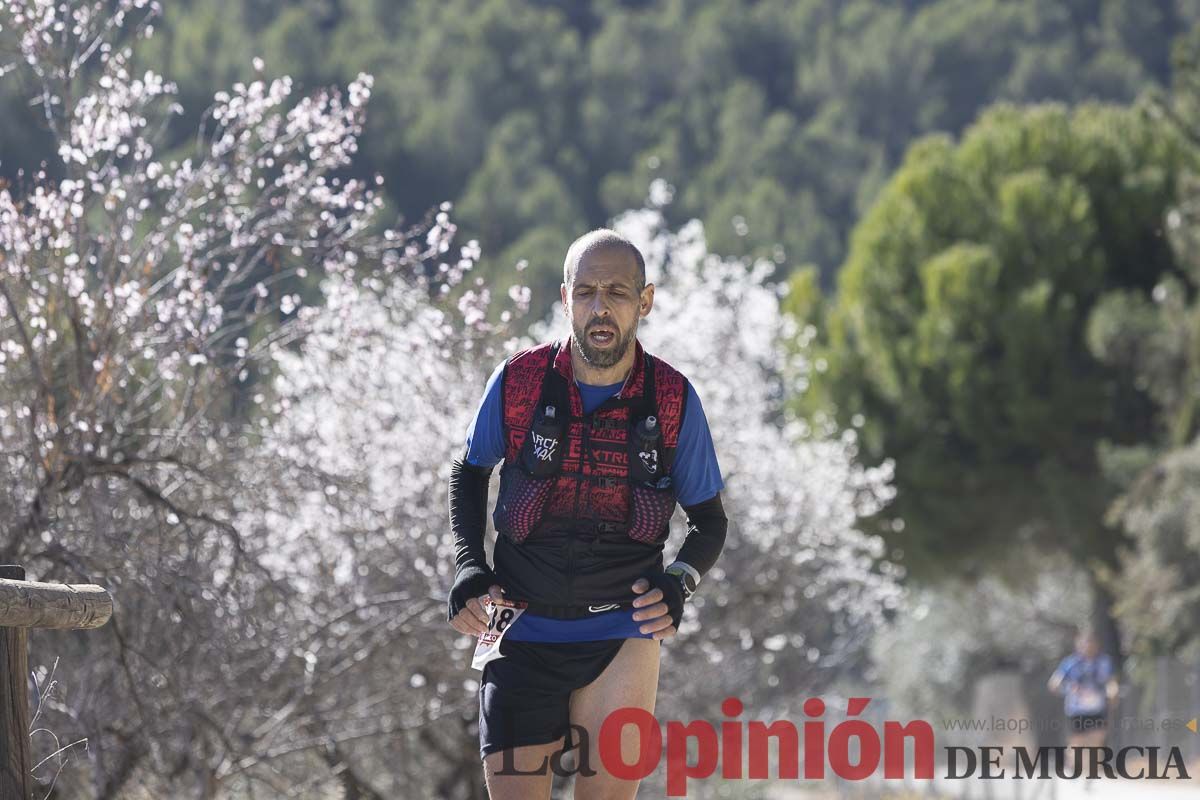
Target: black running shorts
{"type": "Point", "coordinates": [525, 696]}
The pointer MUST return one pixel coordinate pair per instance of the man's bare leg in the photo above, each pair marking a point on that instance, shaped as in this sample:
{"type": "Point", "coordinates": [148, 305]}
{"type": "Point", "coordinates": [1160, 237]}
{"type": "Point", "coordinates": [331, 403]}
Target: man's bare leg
{"type": "Point", "coordinates": [528, 758]}
{"type": "Point", "coordinates": [630, 680]}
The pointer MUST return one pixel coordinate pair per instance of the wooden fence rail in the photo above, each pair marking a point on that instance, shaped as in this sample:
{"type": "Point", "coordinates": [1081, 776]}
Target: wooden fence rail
{"type": "Point", "coordinates": [23, 605]}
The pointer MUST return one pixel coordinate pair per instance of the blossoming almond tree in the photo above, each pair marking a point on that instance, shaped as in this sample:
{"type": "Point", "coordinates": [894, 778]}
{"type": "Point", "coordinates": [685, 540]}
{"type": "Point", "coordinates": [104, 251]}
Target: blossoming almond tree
{"type": "Point", "coordinates": [138, 295]}
{"type": "Point", "coordinates": [349, 488]}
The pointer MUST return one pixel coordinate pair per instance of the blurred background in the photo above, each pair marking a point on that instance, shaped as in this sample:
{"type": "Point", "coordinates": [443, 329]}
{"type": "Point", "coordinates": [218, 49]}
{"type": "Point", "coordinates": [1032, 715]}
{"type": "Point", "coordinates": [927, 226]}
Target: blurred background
{"type": "Point", "coordinates": [932, 266]}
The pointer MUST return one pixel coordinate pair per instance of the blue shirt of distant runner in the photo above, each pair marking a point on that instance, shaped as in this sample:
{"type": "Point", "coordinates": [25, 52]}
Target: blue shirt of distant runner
{"type": "Point", "coordinates": [1084, 681]}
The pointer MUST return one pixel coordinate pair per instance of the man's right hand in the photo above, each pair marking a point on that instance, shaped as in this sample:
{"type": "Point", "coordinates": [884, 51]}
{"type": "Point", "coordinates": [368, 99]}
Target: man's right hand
{"type": "Point", "coordinates": [465, 610]}
{"type": "Point", "coordinates": [473, 619]}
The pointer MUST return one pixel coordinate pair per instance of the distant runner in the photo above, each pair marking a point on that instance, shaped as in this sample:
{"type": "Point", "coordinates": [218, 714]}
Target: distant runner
{"type": "Point", "coordinates": [1086, 681]}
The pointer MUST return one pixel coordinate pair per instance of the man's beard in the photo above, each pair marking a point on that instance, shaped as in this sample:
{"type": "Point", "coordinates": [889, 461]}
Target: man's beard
{"type": "Point", "coordinates": [608, 356]}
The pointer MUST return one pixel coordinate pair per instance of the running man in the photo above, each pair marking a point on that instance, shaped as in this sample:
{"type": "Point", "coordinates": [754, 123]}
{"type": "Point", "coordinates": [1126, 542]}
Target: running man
{"type": "Point", "coordinates": [1086, 681]}
{"type": "Point", "coordinates": [599, 440]}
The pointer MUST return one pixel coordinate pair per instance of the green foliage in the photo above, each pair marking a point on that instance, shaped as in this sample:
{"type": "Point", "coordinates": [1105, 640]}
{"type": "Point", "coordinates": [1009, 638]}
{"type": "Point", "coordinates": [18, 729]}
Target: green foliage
{"type": "Point", "coordinates": [804, 299]}
{"type": "Point", "coordinates": [964, 315]}
{"type": "Point", "coordinates": [1154, 343]}
{"type": "Point", "coordinates": [1161, 579]}
{"type": "Point", "coordinates": [776, 121]}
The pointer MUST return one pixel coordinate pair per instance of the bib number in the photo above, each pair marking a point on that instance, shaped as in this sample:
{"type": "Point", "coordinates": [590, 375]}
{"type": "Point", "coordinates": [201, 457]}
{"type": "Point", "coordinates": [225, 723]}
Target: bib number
{"type": "Point", "coordinates": [1089, 700]}
{"type": "Point", "coordinates": [501, 615]}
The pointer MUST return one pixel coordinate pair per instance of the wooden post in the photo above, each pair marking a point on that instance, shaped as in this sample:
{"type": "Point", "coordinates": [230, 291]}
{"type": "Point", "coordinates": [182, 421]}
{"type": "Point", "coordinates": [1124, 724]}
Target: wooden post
{"type": "Point", "coordinates": [16, 780]}
{"type": "Point", "coordinates": [65, 606]}
{"type": "Point", "coordinates": [23, 605]}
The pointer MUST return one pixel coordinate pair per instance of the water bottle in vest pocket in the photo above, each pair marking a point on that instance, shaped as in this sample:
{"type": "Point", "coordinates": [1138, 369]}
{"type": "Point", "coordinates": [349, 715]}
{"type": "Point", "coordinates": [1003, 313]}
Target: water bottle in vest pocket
{"type": "Point", "coordinates": [651, 493]}
{"type": "Point", "coordinates": [526, 484]}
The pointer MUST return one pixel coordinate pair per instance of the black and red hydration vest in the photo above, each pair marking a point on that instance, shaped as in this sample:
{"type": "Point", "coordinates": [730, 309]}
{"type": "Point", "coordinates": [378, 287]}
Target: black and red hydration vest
{"type": "Point", "coordinates": [577, 530]}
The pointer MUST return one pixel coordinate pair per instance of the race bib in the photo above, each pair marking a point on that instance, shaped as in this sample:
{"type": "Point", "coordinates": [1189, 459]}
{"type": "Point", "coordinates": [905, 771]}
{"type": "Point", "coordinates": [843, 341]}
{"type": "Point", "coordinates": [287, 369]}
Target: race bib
{"type": "Point", "coordinates": [501, 615]}
{"type": "Point", "coordinates": [1089, 700]}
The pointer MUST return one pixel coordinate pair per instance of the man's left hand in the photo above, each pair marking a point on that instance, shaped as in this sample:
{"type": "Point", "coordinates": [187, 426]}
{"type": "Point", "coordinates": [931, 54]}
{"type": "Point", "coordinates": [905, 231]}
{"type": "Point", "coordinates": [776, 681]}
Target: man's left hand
{"type": "Point", "coordinates": [659, 606]}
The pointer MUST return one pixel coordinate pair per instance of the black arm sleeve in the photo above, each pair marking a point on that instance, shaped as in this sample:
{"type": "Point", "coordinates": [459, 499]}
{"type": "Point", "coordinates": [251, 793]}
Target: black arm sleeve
{"type": "Point", "coordinates": [706, 534]}
{"type": "Point", "coordinates": [468, 513]}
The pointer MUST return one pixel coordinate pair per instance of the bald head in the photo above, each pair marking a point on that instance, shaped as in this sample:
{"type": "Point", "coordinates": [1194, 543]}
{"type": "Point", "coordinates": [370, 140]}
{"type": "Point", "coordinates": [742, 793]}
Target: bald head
{"type": "Point", "coordinates": [601, 240]}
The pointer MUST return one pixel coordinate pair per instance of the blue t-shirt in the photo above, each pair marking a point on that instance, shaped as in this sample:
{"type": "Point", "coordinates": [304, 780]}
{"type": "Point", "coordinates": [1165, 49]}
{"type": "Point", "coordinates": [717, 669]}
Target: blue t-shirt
{"type": "Point", "coordinates": [694, 472]}
{"type": "Point", "coordinates": [1084, 682]}
{"type": "Point", "coordinates": [695, 475]}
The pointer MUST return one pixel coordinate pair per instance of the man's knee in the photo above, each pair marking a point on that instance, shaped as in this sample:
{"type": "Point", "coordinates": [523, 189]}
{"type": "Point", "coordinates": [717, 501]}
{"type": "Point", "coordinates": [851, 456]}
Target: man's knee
{"type": "Point", "coordinates": [520, 772]}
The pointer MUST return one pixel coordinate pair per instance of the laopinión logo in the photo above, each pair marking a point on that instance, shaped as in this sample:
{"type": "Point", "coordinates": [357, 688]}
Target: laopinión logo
{"type": "Point", "coordinates": [724, 751]}
{"type": "Point", "coordinates": [1069, 763]}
